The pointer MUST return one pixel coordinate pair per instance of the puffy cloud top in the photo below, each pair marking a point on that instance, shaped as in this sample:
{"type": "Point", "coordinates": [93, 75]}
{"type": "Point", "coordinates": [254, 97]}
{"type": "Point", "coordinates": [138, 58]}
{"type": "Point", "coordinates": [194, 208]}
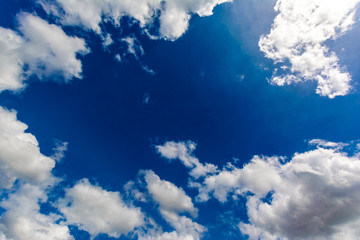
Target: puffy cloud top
{"type": "Point", "coordinates": [20, 156]}
{"type": "Point", "coordinates": [314, 195]}
{"type": "Point", "coordinates": [297, 36]}
{"type": "Point", "coordinates": [174, 14]}
{"type": "Point", "coordinates": [97, 211]}
{"type": "Point", "coordinates": [183, 152]}
{"type": "Point", "coordinates": [169, 197]}
{"type": "Point", "coordinates": [42, 49]}
{"type": "Point", "coordinates": [23, 220]}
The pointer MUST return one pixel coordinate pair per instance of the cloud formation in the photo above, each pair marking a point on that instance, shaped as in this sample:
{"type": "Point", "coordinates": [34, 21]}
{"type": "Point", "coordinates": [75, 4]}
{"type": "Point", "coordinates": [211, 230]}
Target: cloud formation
{"type": "Point", "coordinates": [20, 156]}
{"type": "Point", "coordinates": [172, 201]}
{"type": "Point", "coordinates": [169, 197]}
{"type": "Point", "coordinates": [314, 195]}
{"type": "Point", "coordinates": [96, 210]}
{"type": "Point", "coordinates": [25, 179]}
{"type": "Point", "coordinates": [183, 151]}
{"type": "Point", "coordinates": [297, 41]}
{"type": "Point", "coordinates": [317, 198]}
{"type": "Point", "coordinates": [241, 180]}
{"type": "Point", "coordinates": [40, 49]}
{"type": "Point", "coordinates": [173, 15]}
{"type": "Point", "coordinates": [23, 220]}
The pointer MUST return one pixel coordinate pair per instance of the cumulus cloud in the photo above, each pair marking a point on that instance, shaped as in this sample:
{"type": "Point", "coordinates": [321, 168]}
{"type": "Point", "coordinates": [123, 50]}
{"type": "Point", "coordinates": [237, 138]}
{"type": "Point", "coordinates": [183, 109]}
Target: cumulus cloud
{"type": "Point", "coordinates": [96, 210]}
{"type": "Point", "coordinates": [183, 151]}
{"type": "Point", "coordinates": [297, 41]}
{"type": "Point", "coordinates": [241, 180]}
{"type": "Point", "coordinates": [11, 75]}
{"type": "Point", "coordinates": [173, 15]}
{"type": "Point", "coordinates": [185, 229]}
{"type": "Point", "coordinates": [172, 201]}
{"type": "Point", "coordinates": [314, 195]}
{"type": "Point", "coordinates": [317, 198]}
{"type": "Point", "coordinates": [41, 49]}
{"type": "Point", "coordinates": [169, 197]}
{"type": "Point", "coordinates": [23, 221]}
{"type": "Point", "coordinates": [20, 156]}
{"type": "Point", "coordinates": [21, 159]}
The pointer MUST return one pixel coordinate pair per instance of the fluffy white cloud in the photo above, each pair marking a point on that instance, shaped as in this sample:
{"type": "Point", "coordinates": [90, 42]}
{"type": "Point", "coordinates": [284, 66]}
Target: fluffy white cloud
{"type": "Point", "coordinates": [297, 36]}
{"type": "Point", "coordinates": [174, 14]}
{"type": "Point", "coordinates": [22, 220]}
{"type": "Point", "coordinates": [48, 50]}
{"type": "Point", "coordinates": [317, 198]}
{"type": "Point", "coordinates": [185, 229]}
{"type": "Point", "coordinates": [172, 201]}
{"type": "Point", "coordinates": [314, 195]}
{"type": "Point", "coordinates": [183, 152]}
{"type": "Point", "coordinates": [10, 60]}
{"type": "Point", "coordinates": [42, 49]}
{"type": "Point", "coordinates": [239, 181]}
{"type": "Point", "coordinates": [169, 197]}
{"type": "Point", "coordinates": [96, 210]}
{"type": "Point", "coordinates": [20, 156]}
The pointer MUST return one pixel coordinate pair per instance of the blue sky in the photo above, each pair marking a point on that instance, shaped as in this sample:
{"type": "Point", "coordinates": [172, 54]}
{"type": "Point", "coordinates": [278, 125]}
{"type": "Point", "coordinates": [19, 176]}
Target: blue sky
{"type": "Point", "coordinates": [180, 120]}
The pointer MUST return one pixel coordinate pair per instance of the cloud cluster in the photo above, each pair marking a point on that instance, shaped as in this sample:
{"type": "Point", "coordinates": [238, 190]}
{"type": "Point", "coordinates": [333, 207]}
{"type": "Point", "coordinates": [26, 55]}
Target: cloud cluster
{"type": "Point", "coordinates": [317, 198]}
{"type": "Point", "coordinates": [297, 40]}
{"type": "Point", "coordinates": [40, 49]}
{"type": "Point", "coordinates": [241, 180]}
{"type": "Point", "coordinates": [23, 220]}
{"type": "Point", "coordinates": [314, 195]}
{"type": "Point", "coordinates": [26, 179]}
{"type": "Point", "coordinates": [26, 172]}
{"type": "Point", "coordinates": [183, 151]}
{"type": "Point", "coordinates": [173, 15]}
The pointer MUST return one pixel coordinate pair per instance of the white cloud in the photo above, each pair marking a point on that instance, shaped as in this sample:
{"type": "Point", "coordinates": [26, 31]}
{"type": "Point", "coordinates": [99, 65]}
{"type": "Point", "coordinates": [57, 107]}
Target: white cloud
{"type": "Point", "coordinates": [20, 156]}
{"type": "Point", "coordinates": [183, 151]}
{"type": "Point", "coordinates": [169, 197]}
{"type": "Point", "coordinates": [21, 159]}
{"type": "Point", "coordinates": [133, 47]}
{"type": "Point", "coordinates": [10, 60]}
{"type": "Point", "coordinates": [48, 50]}
{"type": "Point", "coordinates": [174, 14]}
{"type": "Point", "coordinates": [22, 220]}
{"type": "Point", "coordinates": [314, 195]}
{"type": "Point", "coordinates": [107, 40]}
{"type": "Point", "coordinates": [118, 57]}
{"type": "Point", "coordinates": [172, 201]}
{"type": "Point", "coordinates": [96, 210]}
{"type": "Point", "coordinates": [42, 49]}
{"type": "Point", "coordinates": [317, 198]}
{"type": "Point", "coordinates": [323, 143]}
{"type": "Point", "coordinates": [239, 181]}
{"type": "Point", "coordinates": [59, 150]}
{"type": "Point", "coordinates": [298, 36]}
{"type": "Point", "coordinates": [185, 229]}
